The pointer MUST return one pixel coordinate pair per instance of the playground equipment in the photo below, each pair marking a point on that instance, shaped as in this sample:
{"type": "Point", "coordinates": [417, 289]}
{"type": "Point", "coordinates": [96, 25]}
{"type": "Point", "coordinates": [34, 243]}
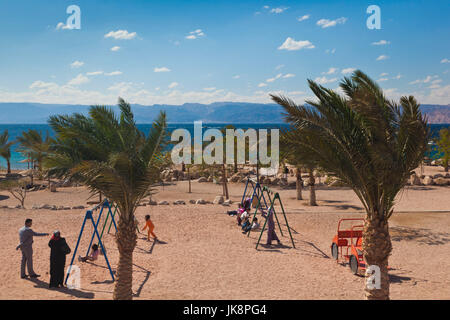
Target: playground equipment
{"type": "Point", "coordinates": [263, 207]}
{"type": "Point", "coordinates": [89, 216]}
{"type": "Point", "coordinates": [252, 191]}
{"type": "Point", "coordinates": [350, 240]}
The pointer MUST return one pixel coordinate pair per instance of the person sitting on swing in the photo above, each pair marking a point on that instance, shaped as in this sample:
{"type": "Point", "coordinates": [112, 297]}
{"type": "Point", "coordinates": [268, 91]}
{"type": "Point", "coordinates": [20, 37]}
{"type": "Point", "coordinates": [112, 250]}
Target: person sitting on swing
{"type": "Point", "coordinates": [271, 235]}
{"type": "Point", "coordinates": [236, 212]}
{"type": "Point", "coordinates": [93, 256]}
{"type": "Point", "coordinates": [254, 225]}
{"type": "Point", "coordinates": [242, 217]}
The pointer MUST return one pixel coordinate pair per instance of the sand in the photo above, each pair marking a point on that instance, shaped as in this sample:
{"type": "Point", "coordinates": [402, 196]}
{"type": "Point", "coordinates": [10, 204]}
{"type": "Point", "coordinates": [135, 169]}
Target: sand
{"type": "Point", "coordinates": [204, 255]}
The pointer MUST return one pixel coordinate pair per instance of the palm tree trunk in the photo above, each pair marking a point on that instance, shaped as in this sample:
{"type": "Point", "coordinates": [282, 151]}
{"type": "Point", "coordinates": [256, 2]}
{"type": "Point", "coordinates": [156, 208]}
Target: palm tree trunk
{"type": "Point", "coordinates": [299, 184]}
{"type": "Point", "coordinates": [312, 189]}
{"type": "Point", "coordinates": [189, 179]}
{"type": "Point", "coordinates": [446, 166]}
{"type": "Point", "coordinates": [126, 239]}
{"type": "Point", "coordinates": [225, 185]}
{"type": "Point", "coordinates": [377, 247]}
{"type": "Point", "coordinates": [8, 163]}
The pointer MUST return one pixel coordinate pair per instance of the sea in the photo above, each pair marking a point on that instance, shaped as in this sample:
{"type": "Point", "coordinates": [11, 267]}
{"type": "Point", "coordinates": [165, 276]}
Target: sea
{"type": "Point", "coordinates": [16, 130]}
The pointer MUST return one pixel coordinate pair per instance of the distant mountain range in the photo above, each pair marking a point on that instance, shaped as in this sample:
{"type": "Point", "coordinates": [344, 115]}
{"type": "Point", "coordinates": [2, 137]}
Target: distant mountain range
{"type": "Point", "coordinates": [218, 112]}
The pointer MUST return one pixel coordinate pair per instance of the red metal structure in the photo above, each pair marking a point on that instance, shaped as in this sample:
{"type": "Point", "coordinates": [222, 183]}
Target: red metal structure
{"type": "Point", "coordinates": [347, 244]}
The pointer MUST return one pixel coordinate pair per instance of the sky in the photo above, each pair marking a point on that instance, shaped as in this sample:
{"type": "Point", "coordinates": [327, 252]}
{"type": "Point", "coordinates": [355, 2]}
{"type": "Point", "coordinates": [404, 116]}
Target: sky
{"type": "Point", "coordinates": [175, 52]}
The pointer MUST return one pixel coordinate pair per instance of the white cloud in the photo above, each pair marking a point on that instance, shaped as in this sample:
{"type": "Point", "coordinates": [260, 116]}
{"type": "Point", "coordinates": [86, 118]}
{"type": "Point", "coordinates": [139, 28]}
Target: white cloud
{"type": "Point", "coordinates": [236, 76]}
{"type": "Point", "coordinates": [121, 35]}
{"type": "Point", "coordinates": [42, 85]}
{"type": "Point", "coordinates": [115, 48]}
{"type": "Point", "coordinates": [381, 43]}
{"type": "Point", "coordinates": [426, 80]}
{"type": "Point", "coordinates": [173, 85]}
{"type": "Point", "coordinates": [195, 34]}
{"type": "Point", "coordinates": [114, 73]}
{"type": "Point", "coordinates": [296, 93]}
{"type": "Point", "coordinates": [384, 74]}
{"type": "Point", "coordinates": [382, 57]}
{"type": "Point", "coordinates": [278, 76]}
{"type": "Point", "coordinates": [62, 26]}
{"type": "Point", "coordinates": [330, 71]}
{"type": "Point", "coordinates": [324, 80]}
{"type": "Point", "coordinates": [162, 69]}
{"type": "Point", "coordinates": [289, 75]}
{"type": "Point", "coordinates": [382, 79]}
{"type": "Point", "coordinates": [76, 64]}
{"type": "Point", "coordinates": [262, 84]}
{"type": "Point", "coordinates": [292, 45]}
{"type": "Point", "coordinates": [325, 23]}
{"type": "Point", "coordinates": [278, 10]}
{"type": "Point", "coordinates": [209, 89]}
{"type": "Point", "coordinates": [303, 18]}
{"type": "Point", "coordinates": [94, 73]}
{"type": "Point", "coordinates": [79, 79]}
{"type": "Point", "coordinates": [279, 66]}
{"type": "Point", "coordinates": [331, 51]}
{"type": "Point", "coordinates": [397, 77]}
{"type": "Point", "coordinates": [348, 70]}
{"type": "Point", "coordinates": [445, 60]}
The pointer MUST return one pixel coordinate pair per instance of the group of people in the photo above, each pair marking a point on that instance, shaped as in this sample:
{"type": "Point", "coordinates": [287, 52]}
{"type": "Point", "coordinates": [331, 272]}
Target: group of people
{"type": "Point", "coordinates": [58, 251]}
{"type": "Point", "coordinates": [243, 220]}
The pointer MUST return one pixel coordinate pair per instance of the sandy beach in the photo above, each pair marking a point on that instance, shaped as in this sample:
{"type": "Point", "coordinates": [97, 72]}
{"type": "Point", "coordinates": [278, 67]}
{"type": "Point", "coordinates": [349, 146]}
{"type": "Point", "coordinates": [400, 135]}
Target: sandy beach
{"type": "Point", "coordinates": [204, 255]}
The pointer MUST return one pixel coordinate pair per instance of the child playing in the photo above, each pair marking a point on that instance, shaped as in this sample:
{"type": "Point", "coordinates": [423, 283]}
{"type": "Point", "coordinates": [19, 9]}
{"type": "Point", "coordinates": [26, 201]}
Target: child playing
{"type": "Point", "coordinates": [255, 225]}
{"type": "Point", "coordinates": [93, 256]}
{"type": "Point", "coordinates": [149, 224]}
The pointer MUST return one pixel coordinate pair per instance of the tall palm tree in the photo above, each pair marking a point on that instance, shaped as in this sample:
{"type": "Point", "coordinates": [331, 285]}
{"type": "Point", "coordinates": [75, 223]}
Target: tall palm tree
{"type": "Point", "coordinates": [5, 149]}
{"type": "Point", "coordinates": [367, 142]}
{"type": "Point", "coordinates": [110, 155]}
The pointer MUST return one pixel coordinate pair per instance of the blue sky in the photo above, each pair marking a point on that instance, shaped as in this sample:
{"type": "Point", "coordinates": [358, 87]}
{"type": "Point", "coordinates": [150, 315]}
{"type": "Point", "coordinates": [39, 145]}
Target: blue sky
{"type": "Point", "coordinates": [205, 51]}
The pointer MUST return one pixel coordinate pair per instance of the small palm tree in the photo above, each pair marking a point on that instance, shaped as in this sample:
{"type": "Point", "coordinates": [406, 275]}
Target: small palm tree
{"type": "Point", "coordinates": [35, 146]}
{"type": "Point", "coordinates": [5, 149]}
{"type": "Point", "coordinates": [367, 142]}
{"type": "Point", "coordinates": [110, 155]}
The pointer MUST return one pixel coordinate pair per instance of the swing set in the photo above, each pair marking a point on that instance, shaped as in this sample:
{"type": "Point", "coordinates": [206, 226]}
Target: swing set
{"type": "Point", "coordinates": [261, 193]}
{"type": "Point", "coordinates": [90, 216]}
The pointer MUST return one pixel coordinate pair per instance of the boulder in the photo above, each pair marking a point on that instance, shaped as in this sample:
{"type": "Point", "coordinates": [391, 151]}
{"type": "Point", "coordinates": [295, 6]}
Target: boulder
{"type": "Point", "coordinates": [218, 200]}
{"type": "Point", "coordinates": [415, 180]}
{"type": "Point", "coordinates": [227, 202]}
{"type": "Point", "coordinates": [163, 203]}
{"type": "Point", "coordinates": [192, 201]}
{"type": "Point", "coordinates": [34, 207]}
{"type": "Point", "coordinates": [440, 181]}
{"type": "Point", "coordinates": [60, 208]}
{"type": "Point", "coordinates": [235, 178]}
{"type": "Point", "coordinates": [428, 181]}
{"type": "Point", "coordinates": [202, 179]}
{"type": "Point", "coordinates": [200, 201]}
{"type": "Point", "coordinates": [178, 202]}
{"type": "Point", "coordinates": [78, 207]}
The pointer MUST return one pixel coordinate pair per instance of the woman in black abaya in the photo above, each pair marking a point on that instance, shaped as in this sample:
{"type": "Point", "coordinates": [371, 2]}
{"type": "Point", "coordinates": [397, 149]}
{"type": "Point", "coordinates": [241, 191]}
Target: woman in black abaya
{"type": "Point", "coordinates": [58, 251]}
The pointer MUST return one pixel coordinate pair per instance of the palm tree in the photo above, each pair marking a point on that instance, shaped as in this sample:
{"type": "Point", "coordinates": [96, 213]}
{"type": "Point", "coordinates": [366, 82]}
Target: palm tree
{"type": "Point", "coordinates": [110, 155]}
{"type": "Point", "coordinates": [367, 142]}
{"type": "Point", "coordinates": [5, 149]}
{"type": "Point", "coordinates": [35, 146]}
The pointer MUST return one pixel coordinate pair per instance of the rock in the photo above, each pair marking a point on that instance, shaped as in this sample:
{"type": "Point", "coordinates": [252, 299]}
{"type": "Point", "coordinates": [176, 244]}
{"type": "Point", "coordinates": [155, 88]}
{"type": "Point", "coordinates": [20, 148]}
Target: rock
{"type": "Point", "coordinates": [178, 202]}
{"type": "Point", "coordinates": [210, 179]}
{"type": "Point", "coordinates": [227, 202]}
{"type": "Point", "coordinates": [192, 201]}
{"type": "Point", "coordinates": [202, 179]}
{"type": "Point", "coordinates": [440, 181]}
{"type": "Point", "coordinates": [163, 203]}
{"type": "Point", "coordinates": [438, 175]}
{"type": "Point", "coordinates": [60, 208]}
{"type": "Point", "coordinates": [200, 201]}
{"type": "Point", "coordinates": [218, 200]}
{"type": "Point", "coordinates": [53, 207]}
{"type": "Point", "coordinates": [52, 187]}
{"type": "Point", "coordinates": [415, 180]}
{"type": "Point", "coordinates": [13, 175]}
{"type": "Point", "coordinates": [3, 207]}
{"type": "Point", "coordinates": [428, 181]}
{"type": "Point", "coordinates": [66, 208]}
{"type": "Point", "coordinates": [34, 207]}
{"type": "Point", "coordinates": [77, 207]}
{"type": "Point", "coordinates": [152, 203]}
{"type": "Point", "coordinates": [45, 206]}
{"type": "Point", "coordinates": [235, 178]}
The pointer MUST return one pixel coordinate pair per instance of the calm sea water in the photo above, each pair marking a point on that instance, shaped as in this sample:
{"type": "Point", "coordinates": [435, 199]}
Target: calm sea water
{"type": "Point", "coordinates": [16, 130]}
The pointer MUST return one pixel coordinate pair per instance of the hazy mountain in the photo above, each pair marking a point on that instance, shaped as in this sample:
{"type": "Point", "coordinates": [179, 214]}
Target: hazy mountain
{"type": "Point", "coordinates": [221, 112]}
